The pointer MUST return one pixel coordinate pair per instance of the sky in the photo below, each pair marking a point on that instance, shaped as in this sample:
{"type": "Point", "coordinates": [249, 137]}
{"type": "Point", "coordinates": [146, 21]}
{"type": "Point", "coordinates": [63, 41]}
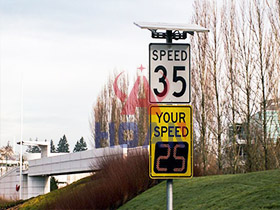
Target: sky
{"type": "Point", "coordinates": [62, 52]}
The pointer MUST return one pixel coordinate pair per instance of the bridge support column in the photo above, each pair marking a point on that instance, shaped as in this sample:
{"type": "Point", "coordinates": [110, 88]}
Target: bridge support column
{"type": "Point", "coordinates": [38, 185]}
{"type": "Point", "coordinates": [45, 150]}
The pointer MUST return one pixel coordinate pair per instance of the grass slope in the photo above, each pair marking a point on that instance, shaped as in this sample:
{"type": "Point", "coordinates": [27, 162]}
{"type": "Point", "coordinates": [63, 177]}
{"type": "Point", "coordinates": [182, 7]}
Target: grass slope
{"type": "Point", "coordinates": [258, 190]}
{"type": "Point", "coordinates": [41, 202]}
{"type": "Point", "coordinates": [118, 180]}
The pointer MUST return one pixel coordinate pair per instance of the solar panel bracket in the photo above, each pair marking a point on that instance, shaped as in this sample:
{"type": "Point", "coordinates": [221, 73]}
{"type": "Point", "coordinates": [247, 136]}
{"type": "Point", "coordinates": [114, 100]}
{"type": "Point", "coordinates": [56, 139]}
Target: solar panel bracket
{"type": "Point", "coordinates": [174, 34]}
{"type": "Point", "coordinates": [170, 31]}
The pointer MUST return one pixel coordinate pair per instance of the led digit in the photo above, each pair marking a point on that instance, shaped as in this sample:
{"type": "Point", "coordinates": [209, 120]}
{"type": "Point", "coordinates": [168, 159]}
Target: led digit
{"type": "Point", "coordinates": [163, 157]}
{"type": "Point", "coordinates": [179, 158]}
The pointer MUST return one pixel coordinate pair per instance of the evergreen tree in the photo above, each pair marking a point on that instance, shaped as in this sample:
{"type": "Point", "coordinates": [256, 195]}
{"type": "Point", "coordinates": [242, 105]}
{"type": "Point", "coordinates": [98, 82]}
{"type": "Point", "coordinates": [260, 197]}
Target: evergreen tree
{"type": "Point", "coordinates": [83, 144]}
{"type": "Point", "coordinates": [63, 145]}
{"type": "Point", "coordinates": [53, 184]}
{"type": "Point", "coordinates": [52, 147]}
{"type": "Point", "coordinates": [33, 149]}
{"type": "Point", "coordinates": [80, 145]}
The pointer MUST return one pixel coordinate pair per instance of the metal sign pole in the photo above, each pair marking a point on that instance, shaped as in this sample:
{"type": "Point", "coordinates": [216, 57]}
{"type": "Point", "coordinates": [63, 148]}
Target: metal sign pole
{"type": "Point", "coordinates": [169, 194]}
{"type": "Point", "coordinates": [162, 58]}
{"type": "Point", "coordinates": [169, 182]}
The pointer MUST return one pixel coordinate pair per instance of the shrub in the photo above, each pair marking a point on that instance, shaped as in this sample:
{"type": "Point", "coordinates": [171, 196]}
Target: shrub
{"type": "Point", "coordinates": [6, 204]}
{"type": "Point", "coordinates": [119, 180]}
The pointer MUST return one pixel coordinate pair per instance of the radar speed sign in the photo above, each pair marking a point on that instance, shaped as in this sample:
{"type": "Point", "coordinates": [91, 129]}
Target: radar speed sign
{"type": "Point", "coordinates": [169, 73]}
{"type": "Point", "coordinates": [171, 144]}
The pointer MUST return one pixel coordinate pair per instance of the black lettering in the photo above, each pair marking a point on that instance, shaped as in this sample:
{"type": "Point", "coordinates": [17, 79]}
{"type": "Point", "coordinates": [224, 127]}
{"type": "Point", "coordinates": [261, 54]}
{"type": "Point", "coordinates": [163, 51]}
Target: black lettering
{"type": "Point", "coordinates": [182, 117]}
{"type": "Point", "coordinates": [159, 116]}
{"type": "Point", "coordinates": [163, 130]}
{"type": "Point", "coordinates": [184, 55]}
{"type": "Point", "coordinates": [174, 118]}
{"type": "Point", "coordinates": [169, 52]}
{"type": "Point", "coordinates": [156, 131]}
{"type": "Point", "coordinates": [161, 80]}
{"type": "Point", "coordinates": [176, 55]}
{"type": "Point", "coordinates": [155, 54]}
{"type": "Point", "coordinates": [184, 134]}
{"type": "Point", "coordinates": [166, 117]}
{"type": "Point", "coordinates": [162, 53]}
{"type": "Point", "coordinates": [170, 129]}
{"type": "Point", "coordinates": [177, 131]}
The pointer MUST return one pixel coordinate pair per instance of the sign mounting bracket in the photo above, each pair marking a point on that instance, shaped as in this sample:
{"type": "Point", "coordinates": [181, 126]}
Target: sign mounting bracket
{"type": "Point", "coordinates": [169, 34]}
{"type": "Point", "coordinates": [170, 30]}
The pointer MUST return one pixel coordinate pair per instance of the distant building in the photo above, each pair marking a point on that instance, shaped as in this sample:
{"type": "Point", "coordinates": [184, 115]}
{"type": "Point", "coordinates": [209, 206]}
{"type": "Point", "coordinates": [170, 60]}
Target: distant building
{"type": "Point", "coordinates": [272, 127]}
{"type": "Point", "coordinates": [6, 165]}
{"type": "Point", "coordinates": [272, 118]}
{"type": "Point", "coordinates": [240, 137]}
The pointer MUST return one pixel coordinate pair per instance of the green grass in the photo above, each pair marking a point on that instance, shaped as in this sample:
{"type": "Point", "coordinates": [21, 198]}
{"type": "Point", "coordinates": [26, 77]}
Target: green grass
{"type": "Point", "coordinates": [258, 190]}
{"type": "Point", "coordinates": [118, 180]}
{"type": "Point", "coordinates": [41, 202]}
{"type": "Point", "coordinates": [9, 204]}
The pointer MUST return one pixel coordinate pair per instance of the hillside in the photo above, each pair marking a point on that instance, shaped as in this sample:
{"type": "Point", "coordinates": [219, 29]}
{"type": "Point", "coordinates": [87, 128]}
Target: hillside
{"type": "Point", "coordinates": [258, 190]}
{"type": "Point", "coordinates": [41, 202]}
{"type": "Point", "coordinates": [118, 180]}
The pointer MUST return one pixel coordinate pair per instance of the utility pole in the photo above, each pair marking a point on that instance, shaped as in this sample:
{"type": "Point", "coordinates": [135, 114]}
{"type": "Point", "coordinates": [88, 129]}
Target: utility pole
{"type": "Point", "coordinates": [21, 135]}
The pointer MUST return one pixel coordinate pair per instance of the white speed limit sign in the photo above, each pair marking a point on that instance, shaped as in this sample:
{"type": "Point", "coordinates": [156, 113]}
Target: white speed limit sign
{"type": "Point", "coordinates": [169, 73]}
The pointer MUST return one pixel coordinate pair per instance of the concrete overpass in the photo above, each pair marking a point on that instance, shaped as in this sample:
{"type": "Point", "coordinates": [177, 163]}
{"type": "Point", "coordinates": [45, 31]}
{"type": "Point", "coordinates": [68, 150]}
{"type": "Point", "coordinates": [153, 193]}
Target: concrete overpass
{"type": "Point", "coordinates": [36, 179]}
{"type": "Point", "coordinates": [79, 162]}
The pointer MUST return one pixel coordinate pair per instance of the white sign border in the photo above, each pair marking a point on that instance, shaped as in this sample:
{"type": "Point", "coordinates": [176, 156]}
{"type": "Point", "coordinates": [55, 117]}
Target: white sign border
{"type": "Point", "coordinates": [165, 102]}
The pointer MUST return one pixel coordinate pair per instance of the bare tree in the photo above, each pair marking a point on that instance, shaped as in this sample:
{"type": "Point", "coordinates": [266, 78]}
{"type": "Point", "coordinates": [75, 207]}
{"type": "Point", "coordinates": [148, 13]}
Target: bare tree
{"type": "Point", "coordinates": [142, 115]}
{"type": "Point", "coordinates": [6, 152]}
{"type": "Point", "coordinates": [215, 62]}
{"type": "Point", "coordinates": [265, 66]}
{"type": "Point", "coordinates": [106, 117]}
{"type": "Point", "coordinates": [115, 106]}
{"type": "Point", "coordinates": [248, 85]}
{"type": "Point", "coordinates": [274, 19]}
{"type": "Point", "coordinates": [230, 61]}
{"type": "Point", "coordinates": [202, 86]}
{"type": "Point", "coordinates": [101, 110]}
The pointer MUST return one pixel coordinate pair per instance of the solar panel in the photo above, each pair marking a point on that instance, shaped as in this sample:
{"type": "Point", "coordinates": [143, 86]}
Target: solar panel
{"type": "Point", "coordinates": [171, 26]}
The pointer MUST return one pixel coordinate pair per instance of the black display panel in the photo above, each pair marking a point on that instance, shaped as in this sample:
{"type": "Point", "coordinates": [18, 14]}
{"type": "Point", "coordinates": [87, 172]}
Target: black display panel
{"type": "Point", "coordinates": [171, 157]}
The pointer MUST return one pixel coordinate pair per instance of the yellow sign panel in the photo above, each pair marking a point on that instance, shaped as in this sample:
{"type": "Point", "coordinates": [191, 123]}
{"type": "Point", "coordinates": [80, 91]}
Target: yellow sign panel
{"type": "Point", "coordinates": [171, 144]}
